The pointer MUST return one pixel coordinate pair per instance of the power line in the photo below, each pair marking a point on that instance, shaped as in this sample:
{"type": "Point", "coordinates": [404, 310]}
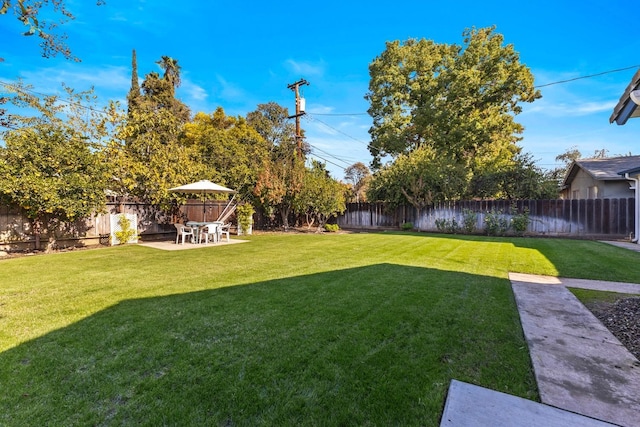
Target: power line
{"type": "Point", "coordinates": [33, 92]}
{"type": "Point", "coordinates": [310, 117]}
{"type": "Point", "coordinates": [329, 161]}
{"type": "Point", "coordinates": [330, 155]}
{"type": "Point", "coordinates": [586, 77]}
{"type": "Point", "coordinates": [338, 114]}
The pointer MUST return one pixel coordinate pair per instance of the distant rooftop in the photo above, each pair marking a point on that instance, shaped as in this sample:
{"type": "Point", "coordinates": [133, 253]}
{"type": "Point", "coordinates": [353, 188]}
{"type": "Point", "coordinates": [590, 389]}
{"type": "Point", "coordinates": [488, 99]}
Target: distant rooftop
{"type": "Point", "coordinates": [603, 169]}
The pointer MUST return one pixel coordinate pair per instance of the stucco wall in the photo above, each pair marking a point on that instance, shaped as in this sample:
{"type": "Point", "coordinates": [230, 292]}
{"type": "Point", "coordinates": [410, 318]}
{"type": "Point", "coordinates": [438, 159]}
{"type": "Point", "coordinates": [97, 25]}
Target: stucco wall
{"type": "Point", "coordinates": [583, 184]}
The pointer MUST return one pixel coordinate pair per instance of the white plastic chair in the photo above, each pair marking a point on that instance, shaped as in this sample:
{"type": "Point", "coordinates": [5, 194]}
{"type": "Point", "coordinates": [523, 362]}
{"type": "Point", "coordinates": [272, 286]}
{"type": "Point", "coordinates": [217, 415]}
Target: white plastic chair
{"type": "Point", "coordinates": [206, 231]}
{"type": "Point", "coordinates": [184, 231]}
{"type": "Point", "coordinates": [223, 229]}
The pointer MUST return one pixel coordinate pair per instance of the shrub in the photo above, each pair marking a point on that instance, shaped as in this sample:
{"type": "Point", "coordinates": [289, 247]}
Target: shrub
{"type": "Point", "coordinates": [450, 226]}
{"type": "Point", "coordinates": [495, 223]}
{"type": "Point", "coordinates": [519, 221]}
{"type": "Point", "coordinates": [126, 233]}
{"type": "Point", "coordinates": [407, 226]}
{"type": "Point", "coordinates": [244, 213]}
{"type": "Point", "coordinates": [469, 220]}
{"type": "Point", "coordinates": [332, 228]}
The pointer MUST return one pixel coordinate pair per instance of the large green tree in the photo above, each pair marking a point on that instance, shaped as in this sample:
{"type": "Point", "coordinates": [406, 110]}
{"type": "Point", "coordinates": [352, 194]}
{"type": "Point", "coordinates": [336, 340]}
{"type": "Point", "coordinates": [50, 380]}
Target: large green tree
{"type": "Point", "coordinates": [229, 148]}
{"type": "Point", "coordinates": [459, 100]}
{"type": "Point", "coordinates": [147, 155]}
{"type": "Point", "coordinates": [282, 171]}
{"type": "Point", "coordinates": [52, 163]}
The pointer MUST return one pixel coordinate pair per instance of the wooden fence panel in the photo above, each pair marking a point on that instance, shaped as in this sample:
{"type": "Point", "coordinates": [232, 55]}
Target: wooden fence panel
{"type": "Point", "coordinates": [558, 217]}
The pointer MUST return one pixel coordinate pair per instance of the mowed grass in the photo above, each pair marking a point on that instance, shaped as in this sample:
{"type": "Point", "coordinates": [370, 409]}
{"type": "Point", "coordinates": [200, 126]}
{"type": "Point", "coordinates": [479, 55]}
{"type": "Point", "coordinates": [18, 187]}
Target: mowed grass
{"type": "Point", "coordinates": [337, 329]}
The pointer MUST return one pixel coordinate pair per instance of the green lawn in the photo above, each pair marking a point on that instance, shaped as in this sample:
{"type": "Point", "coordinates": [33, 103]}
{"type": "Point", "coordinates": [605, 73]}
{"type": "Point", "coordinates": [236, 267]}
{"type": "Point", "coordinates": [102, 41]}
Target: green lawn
{"type": "Point", "coordinates": [334, 329]}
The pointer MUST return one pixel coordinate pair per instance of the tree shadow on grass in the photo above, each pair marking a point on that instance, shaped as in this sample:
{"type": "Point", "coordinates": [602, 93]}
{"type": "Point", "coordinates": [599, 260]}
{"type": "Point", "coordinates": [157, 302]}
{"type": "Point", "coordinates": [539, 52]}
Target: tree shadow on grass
{"type": "Point", "coordinates": [376, 345]}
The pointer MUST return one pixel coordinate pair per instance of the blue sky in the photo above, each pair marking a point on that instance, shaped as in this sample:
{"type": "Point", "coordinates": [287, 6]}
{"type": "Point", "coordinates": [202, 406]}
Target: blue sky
{"type": "Point", "coordinates": [240, 54]}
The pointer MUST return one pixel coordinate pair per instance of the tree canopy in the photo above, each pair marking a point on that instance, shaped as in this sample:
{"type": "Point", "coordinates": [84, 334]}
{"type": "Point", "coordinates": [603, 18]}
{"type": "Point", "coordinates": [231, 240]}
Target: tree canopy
{"type": "Point", "coordinates": [456, 99]}
{"type": "Point", "coordinates": [146, 153]}
{"type": "Point", "coordinates": [52, 165]}
{"type": "Point", "coordinates": [281, 175]}
{"type": "Point", "coordinates": [228, 147]}
{"type": "Point", "coordinates": [456, 103]}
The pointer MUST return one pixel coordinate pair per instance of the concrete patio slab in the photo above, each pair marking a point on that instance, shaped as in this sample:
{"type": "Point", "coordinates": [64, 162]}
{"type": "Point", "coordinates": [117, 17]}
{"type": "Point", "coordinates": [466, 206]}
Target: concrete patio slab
{"type": "Point", "coordinates": [172, 246]}
{"type": "Point", "coordinates": [469, 405]}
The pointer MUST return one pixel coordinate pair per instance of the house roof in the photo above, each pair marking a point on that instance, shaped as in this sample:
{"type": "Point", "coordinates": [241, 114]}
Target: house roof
{"type": "Point", "coordinates": [632, 171]}
{"type": "Point", "coordinates": [603, 169]}
{"type": "Point", "coordinates": [626, 108]}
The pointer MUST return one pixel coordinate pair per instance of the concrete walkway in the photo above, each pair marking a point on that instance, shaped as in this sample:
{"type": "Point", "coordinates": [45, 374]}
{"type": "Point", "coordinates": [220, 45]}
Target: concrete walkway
{"type": "Point", "coordinates": [579, 365]}
{"type": "Point", "coordinates": [585, 376]}
{"type": "Point", "coordinates": [626, 245]}
{"type": "Point", "coordinates": [471, 406]}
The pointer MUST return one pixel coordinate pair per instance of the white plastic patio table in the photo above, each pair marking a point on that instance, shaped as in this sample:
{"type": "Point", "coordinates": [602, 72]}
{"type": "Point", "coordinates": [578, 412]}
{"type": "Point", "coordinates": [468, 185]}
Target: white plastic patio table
{"type": "Point", "coordinates": [196, 229]}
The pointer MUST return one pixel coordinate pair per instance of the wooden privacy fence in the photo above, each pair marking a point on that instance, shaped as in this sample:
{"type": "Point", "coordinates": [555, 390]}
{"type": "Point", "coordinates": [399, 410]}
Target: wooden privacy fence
{"type": "Point", "coordinates": [16, 232]}
{"type": "Point", "coordinates": [614, 218]}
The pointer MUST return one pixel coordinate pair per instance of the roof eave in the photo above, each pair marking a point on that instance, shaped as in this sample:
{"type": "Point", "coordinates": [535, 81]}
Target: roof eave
{"type": "Point", "coordinates": [625, 108]}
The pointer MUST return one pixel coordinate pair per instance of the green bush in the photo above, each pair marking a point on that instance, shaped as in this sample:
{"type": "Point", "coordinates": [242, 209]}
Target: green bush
{"type": "Point", "coordinates": [126, 233]}
{"type": "Point", "coordinates": [495, 223]}
{"type": "Point", "coordinates": [469, 220]}
{"type": "Point", "coordinates": [450, 226]}
{"type": "Point", "coordinates": [519, 221]}
{"type": "Point", "coordinates": [332, 228]}
{"type": "Point", "coordinates": [244, 213]}
{"type": "Point", "coordinates": [407, 226]}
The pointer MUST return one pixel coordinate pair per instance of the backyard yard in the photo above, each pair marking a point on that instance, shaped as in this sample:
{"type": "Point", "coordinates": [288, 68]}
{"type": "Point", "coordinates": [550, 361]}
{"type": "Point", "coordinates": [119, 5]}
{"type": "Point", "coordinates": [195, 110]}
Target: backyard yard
{"type": "Point", "coordinates": [300, 329]}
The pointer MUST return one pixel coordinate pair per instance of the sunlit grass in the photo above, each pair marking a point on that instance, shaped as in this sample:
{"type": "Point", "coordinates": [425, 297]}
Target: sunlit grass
{"type": "Point", "coordinates": [339, 329]}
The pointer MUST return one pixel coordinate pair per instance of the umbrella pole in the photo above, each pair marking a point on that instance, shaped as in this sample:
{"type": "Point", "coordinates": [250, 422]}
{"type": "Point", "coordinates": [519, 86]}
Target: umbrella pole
{"type": "Point", "coordinates": [204, 208]}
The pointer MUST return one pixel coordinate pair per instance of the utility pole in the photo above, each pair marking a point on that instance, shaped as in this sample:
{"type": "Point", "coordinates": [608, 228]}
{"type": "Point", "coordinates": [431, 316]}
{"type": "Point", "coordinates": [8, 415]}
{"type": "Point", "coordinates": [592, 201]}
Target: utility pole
{"type": "Point", "coordinates": [295, 87]}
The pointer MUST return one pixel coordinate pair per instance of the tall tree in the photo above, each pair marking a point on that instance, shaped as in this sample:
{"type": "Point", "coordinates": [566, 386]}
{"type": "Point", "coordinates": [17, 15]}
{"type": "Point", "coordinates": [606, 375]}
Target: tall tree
{"type": "Point", "coordinates": [459, 100]}
{"type": "Point", "coordinates": [133, 98]}
{"type": "Point", "coordinates": [281, 174]}
{"type": "Point", "coordinates": [171, 71]}
{"type": "Point", "coordinates": [52, 163]}
{"type": "Point", "coordinates": [147, 152]}
{"type": "Point", "coordinates": [30, 12]}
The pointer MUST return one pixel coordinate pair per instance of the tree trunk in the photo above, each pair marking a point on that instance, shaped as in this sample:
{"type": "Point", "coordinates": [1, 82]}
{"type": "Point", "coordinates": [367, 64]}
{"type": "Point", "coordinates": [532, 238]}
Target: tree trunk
{"type": "Point", "coordinates": [284, 212]}
{"type": "Point", "coordinates": [36, 223]}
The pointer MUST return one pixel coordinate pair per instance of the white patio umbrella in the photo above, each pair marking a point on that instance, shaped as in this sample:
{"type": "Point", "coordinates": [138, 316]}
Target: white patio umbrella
{"type": "Point", "coordinates": [202, 188]}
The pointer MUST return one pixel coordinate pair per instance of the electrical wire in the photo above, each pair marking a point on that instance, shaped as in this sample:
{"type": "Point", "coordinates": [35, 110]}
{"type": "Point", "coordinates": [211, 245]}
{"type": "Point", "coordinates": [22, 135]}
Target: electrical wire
{"type": "Point", "coordinates": [338, 114]}
{"type": "Point", "coordinates": [33, 92]}
{"type": "Point", "coordinates": [329, 154]}
{"type": "Point", "coordinates": [329, 161]}
{"type": "Point", "coordinates": [310, 117]}
{"type": "Point", "coordinates": [586, 77]}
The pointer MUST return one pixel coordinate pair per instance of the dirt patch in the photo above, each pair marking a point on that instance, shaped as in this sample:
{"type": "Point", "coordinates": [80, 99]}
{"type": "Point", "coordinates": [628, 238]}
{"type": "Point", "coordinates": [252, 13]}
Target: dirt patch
{"type": "Point", "coordinates": [622, 318]}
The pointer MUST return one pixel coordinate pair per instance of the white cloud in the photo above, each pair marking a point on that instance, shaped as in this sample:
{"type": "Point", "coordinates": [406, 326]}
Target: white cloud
{"type": "Point", "coordinates": [575, 108]}
{"type": "Point", "coordinates": [193, 91]}
{"type": "Point", "coordinates": [305, 68]}
{"type": "Point", "coordinates": [229, 91]}
{"type": "Point", "coordinates": [49, 80]}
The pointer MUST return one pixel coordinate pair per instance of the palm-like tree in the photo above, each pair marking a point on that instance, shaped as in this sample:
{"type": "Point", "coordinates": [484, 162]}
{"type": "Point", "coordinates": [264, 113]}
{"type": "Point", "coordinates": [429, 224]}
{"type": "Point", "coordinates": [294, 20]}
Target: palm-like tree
{"type": "Point", "coordinates": [171, 70]}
